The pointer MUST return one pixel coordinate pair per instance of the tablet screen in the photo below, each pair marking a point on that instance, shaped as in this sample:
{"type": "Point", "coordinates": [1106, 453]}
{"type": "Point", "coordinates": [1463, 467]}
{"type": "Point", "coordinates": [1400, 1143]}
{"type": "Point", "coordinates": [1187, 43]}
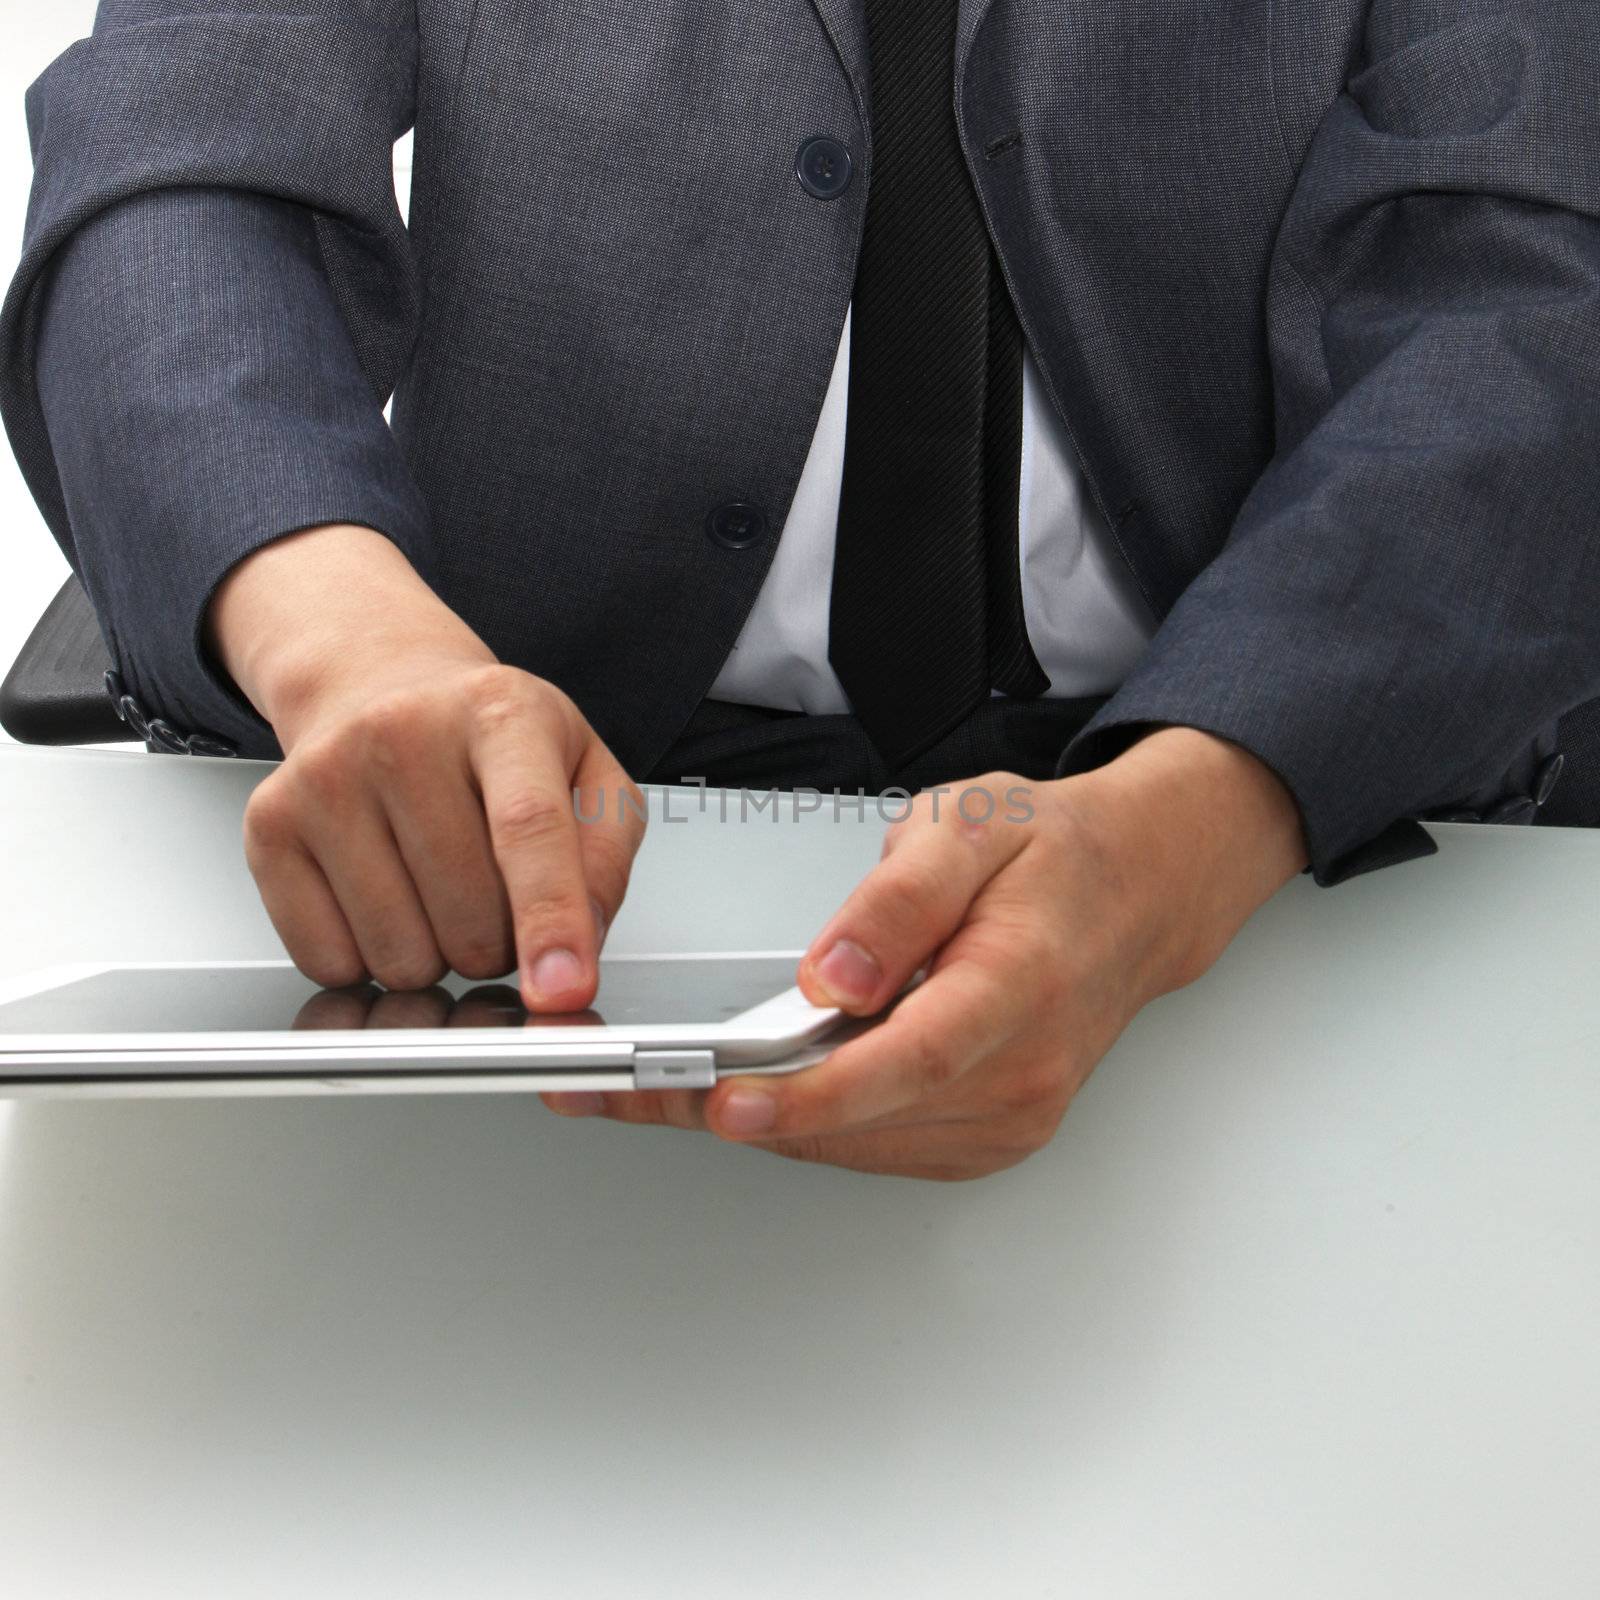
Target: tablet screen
{"type": "Point", "coordinates": [274, 999]}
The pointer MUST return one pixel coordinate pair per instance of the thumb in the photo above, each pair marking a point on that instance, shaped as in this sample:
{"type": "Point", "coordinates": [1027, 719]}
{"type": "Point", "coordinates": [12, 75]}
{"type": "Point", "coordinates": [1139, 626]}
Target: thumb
{"type": "Point", "coordinates": [904, 910]}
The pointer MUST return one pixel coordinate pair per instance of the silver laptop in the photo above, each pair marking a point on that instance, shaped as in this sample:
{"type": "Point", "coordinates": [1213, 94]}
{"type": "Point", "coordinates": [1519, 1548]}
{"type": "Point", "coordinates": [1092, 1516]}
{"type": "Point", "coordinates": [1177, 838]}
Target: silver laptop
{"type": "Point", "coordinates": [261, 1027]}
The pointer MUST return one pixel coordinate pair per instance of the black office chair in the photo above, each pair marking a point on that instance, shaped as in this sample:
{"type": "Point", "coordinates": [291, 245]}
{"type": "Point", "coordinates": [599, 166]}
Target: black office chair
{"type": "Point", "coordinates": [55, 692]}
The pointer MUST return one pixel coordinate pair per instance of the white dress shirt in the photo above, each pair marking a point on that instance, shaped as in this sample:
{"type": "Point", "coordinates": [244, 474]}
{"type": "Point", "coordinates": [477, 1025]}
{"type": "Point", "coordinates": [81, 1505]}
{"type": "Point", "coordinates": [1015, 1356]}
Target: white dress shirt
{"type": "Point", "coordinates": [1086, 621]}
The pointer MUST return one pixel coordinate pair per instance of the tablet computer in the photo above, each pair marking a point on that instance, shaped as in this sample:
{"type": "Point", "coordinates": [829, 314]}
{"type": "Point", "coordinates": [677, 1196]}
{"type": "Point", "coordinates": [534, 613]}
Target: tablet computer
{"type": "Point", "coordinates": [262, 1027]}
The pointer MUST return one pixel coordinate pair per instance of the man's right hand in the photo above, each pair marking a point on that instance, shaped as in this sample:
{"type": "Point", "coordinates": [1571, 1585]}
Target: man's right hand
{"type": "Point", "coordinates": [423, 817]}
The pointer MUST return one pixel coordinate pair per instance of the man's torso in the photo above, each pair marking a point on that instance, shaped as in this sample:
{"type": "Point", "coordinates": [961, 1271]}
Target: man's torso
{"type": "Point", "coordinates": [631, 308]}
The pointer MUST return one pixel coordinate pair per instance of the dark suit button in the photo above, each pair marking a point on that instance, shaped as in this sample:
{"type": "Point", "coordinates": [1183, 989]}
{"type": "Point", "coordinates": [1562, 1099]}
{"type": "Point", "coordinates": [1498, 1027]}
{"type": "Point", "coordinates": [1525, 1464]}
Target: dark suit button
{"type": "Point", "coordinates": [132, 713]}
{"type": "Point", "coordinates": [1519, 808]}
{"type": "Point", "coordinates": [209, 744]}
{"type": "Point", "coordinates": [1549, 777]}
{"type": "Point", "coordinates": [824, 167]}
{"type": "Point", "coordinates": [737, 525]}
{"type": "Point", "coordinates": [166, 737]}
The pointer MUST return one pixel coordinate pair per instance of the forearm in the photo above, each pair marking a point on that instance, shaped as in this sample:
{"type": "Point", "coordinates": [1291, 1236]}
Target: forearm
{"type": "Point", "coordinates": [203, 401]}
{"type": "Point", "coordinates": [1404, 607]}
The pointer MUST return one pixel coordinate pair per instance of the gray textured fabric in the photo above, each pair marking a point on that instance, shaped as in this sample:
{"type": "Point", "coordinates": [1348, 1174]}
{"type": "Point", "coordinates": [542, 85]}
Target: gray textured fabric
{"type": "Point", "coordinates": [1314, 284]}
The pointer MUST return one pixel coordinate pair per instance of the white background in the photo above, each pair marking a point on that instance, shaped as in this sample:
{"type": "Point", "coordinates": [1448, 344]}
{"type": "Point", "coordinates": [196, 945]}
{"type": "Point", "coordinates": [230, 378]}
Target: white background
{"type": "Point", "coordinates": [32, 35]}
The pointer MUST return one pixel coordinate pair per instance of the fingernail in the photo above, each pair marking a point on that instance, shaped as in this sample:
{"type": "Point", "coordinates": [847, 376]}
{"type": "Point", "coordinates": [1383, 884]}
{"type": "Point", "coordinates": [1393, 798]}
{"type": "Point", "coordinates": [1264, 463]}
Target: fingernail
{"type": "Point", "coordinates": [849, 973]}
{"type": "Point", "coordinates": [577, 1103]}
{"type": "Point", "coordinates": [555, 973]}
{"type": "Point", "coordinates": [748, 1111]}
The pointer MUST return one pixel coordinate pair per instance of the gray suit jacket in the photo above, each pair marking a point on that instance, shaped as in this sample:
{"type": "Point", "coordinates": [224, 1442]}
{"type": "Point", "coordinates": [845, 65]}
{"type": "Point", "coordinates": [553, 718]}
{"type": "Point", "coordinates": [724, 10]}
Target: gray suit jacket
{"type": "Point", "coordinates": [1314, 285]}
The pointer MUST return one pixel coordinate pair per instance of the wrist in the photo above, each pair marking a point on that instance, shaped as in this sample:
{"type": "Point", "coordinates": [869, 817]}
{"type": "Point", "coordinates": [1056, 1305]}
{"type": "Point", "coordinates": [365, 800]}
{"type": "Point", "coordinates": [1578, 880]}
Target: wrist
{"type": "Point", "coordinates": [324, 612]}
{"type": "Point", "coordinates": [1212, 832]}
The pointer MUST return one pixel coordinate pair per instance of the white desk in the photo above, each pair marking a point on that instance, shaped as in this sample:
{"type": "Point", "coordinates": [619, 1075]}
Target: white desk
{"type": "Point", "coordinates": [1305, 1299]}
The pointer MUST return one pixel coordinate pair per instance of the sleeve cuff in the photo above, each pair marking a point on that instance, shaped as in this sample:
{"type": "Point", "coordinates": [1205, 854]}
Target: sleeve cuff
{"type": "Point", "coordinates": [1516, 797]}
{"type": "Point", "coordinates": [1120, 724]}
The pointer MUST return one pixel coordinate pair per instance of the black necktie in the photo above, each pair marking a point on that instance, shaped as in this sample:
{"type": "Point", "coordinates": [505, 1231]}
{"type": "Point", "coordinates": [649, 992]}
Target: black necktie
{"type": "Point", "coordinates": [926, 612]}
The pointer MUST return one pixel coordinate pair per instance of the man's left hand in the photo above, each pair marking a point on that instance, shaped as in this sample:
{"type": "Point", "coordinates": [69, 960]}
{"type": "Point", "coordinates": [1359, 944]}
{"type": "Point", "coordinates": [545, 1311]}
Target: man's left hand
{"type": "Point", "coordinates": [1045, 915]}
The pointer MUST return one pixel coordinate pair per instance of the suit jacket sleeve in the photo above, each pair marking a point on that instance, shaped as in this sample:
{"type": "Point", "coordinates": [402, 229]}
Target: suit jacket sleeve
{"type": "Point", "coordinates": [1409, 597]}
{"type": "Point", "coordinates": [215, 298]}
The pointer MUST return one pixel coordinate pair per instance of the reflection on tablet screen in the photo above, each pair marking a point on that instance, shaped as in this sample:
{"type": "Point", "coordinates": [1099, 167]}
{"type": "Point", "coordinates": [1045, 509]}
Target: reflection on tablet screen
{"type": "Point", "coordinates": [280, 999]}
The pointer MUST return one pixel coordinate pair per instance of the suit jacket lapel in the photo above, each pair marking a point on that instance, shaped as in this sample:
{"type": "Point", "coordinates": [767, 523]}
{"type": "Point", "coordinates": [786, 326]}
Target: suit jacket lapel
{"type": "Point", "coordinates": [969, 17]}
{"type": "Point", "coordinates": [846, 22]}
